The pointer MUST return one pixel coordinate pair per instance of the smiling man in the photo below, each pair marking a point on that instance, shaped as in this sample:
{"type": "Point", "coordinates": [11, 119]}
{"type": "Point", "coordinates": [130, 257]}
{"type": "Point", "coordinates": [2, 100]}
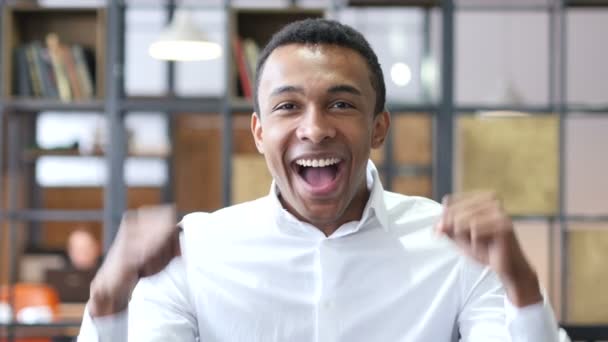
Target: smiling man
{"type": "Point", "coordinates": [328, 255]}
{"type": "Point", "coordinates": [316, 120]}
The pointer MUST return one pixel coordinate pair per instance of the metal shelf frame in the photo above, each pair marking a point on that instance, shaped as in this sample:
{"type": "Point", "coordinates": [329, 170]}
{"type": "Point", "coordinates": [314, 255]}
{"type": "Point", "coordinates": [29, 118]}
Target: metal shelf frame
{"type": "Point", "coordinates": [21, 326]}
{"type": "Point", "coordinates": [37, 105]}
{"type": "Point", "coordinates": [49, 215]}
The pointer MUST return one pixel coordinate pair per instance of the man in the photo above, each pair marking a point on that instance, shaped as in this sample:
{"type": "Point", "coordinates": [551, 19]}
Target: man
{"type": "Point", "coordinates": [83, 250]}
{"type": "Point", "coordinates": [328, 255]}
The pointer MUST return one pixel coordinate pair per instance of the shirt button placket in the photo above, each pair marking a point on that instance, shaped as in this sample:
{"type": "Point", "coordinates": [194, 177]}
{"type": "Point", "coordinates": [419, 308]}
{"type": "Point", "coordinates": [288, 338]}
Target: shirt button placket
{"type": "Point", "coordinates": [326, 325]}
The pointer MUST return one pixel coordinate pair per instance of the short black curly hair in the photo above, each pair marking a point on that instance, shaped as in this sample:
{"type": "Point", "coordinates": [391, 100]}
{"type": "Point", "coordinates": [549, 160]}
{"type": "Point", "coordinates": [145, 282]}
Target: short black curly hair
{"type": "Point", "coordinates": [324, 31]}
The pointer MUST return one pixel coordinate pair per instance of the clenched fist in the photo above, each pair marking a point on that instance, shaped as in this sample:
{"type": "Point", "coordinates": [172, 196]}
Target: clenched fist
{"type": "Point", "coordinates": [147, 240]}
{"type": "Point", "coordinates": [478, 224]}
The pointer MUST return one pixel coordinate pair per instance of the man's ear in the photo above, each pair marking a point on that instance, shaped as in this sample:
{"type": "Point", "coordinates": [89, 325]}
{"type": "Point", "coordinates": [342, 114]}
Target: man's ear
{"type": "Point", "coordinates": [256, 130]}
{"type": "Point", "coordinates": [382, 123]}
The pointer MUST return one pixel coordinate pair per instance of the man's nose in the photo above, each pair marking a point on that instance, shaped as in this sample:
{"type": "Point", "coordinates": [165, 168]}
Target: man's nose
{"type": "Point", "coordinates": [315, 127]}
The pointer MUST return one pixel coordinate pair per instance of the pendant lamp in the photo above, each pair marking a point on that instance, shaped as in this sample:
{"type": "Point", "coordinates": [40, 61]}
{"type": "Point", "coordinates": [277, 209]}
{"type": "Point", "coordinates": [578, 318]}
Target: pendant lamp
{"type": "Point", "coordinates": [183, 41]}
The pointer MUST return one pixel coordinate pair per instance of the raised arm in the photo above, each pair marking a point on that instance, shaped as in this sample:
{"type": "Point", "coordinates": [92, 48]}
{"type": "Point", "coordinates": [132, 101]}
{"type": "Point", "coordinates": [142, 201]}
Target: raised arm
{"type": "Point", "coordinates": [481, 228]}
{"type": "Point", "coordinates": [129, 297]}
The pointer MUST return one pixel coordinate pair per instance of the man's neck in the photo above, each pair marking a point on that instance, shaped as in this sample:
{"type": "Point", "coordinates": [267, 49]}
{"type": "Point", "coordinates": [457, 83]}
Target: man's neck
{"type": "Point", "coordinates": [354, 212]}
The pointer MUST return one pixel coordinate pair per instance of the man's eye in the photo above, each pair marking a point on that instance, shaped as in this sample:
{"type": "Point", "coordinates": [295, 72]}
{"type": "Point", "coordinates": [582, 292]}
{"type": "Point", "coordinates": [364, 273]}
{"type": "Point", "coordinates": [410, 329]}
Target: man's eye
{"type": "Point", "coordinates": [286, 106]}
{"type": "Point", "coordinates": [341, 105]}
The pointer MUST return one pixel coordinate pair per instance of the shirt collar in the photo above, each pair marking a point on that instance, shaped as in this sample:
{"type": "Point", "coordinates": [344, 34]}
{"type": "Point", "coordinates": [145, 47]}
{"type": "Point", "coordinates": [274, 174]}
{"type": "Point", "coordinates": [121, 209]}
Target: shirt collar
{"type": "Point", "coordinates": [375, 207]}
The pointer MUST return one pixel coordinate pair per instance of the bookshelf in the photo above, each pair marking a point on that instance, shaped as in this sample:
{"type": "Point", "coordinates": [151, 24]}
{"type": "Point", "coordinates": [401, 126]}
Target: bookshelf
{"type": "Point", "coordinates": [252, 29]}
{"type": "Point", "coordinates": [26, 24]}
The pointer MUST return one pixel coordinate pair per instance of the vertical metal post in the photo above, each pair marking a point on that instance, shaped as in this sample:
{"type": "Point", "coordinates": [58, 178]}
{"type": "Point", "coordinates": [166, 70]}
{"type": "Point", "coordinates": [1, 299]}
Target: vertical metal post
{"type": "Point", "coordinates": [115, 193]}
{"type": "Point", "coordinates": [168, 195]}
{"type": "Point", "coordinates": [552, 264]}
{"type": "Point", "coordinates": [443, 128]}
{"type": "Point", "coordinates": [4, 217]}
{"type": "Point", "coordinates": [552, 53]}
{"type": "Point", "coordinates": [425, 58]}
{"type": "Point", "coordinates": [426, 54]}
{"type": "Point", "coordinates": [3, 86]}
{"type": "Point", "coordinates": [168, 191]}
{"type": "Point", "coordinates": [4, 213]}
{"type": "Point", "coordinates": [563, 96]}
{"type": "Point", "coordinates": [31, 187]}
{"type": "Point", "coordinates": [170, 76]}
{"type": "Point", "coordinates": [553, 60]}
{"type": "Point", "coordinates": [227, 113]}
{"type": "Point", "coordinates": [2, 99]}
{"type": "Point", "coordinates": [13, 202]}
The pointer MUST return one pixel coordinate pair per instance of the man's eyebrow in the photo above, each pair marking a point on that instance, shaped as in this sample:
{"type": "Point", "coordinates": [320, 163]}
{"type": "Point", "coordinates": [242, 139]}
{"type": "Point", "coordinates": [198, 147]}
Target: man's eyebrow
{"type": "Point", "coordinates": [287, 89]}
{"type": "Point", "coordinates": [344, 88]}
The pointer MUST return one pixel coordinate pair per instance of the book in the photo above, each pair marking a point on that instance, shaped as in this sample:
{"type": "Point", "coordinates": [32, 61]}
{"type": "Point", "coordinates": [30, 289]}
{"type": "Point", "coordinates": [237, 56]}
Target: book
{"type": "Point", "coordinates": [22, 77]}
{"type": "Point", "coordinates": [59, 71]}
{"type": "Point", "coordinates": [35, 78]}
{"type": "Point", "coordinates": [84, 72]}
{"type": "Point", "coordinates": [72, 74]}
{"type": "Point", "coordinates": [251, 52]}
{"type": "Point", "coordinates": [61, 78]}
{"type": "Point", "coordinates": [241, 65]}
{"type": "Point", "coordinates": [44, 69]}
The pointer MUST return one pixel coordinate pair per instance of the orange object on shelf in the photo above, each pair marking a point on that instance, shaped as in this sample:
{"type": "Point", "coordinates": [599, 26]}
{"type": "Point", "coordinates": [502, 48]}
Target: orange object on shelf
{"type": "Point", "coordinates": [28, 296]}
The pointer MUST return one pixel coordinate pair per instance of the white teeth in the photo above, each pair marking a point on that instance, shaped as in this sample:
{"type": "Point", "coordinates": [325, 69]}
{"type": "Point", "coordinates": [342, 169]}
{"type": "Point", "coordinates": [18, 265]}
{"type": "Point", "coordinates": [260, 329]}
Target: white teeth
{"type": "Point", "coordinates": [317, 162]}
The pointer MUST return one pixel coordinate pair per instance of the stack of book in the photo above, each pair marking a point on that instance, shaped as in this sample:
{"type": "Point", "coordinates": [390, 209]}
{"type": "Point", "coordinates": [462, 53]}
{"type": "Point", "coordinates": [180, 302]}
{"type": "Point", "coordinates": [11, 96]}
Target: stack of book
{"type": "Point", "coordinates": [246, 53]}
{"type": "Point", "coordinates": [54, 70]}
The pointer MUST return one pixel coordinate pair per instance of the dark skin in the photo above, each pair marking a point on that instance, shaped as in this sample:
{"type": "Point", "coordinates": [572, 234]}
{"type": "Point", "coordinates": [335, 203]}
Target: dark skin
{"type": "Point", "coordinates": [481, 228]}
{"type": "Point", "coordinates": [314, 104]}
{"type": "Point", "coordinates": [317, 102]}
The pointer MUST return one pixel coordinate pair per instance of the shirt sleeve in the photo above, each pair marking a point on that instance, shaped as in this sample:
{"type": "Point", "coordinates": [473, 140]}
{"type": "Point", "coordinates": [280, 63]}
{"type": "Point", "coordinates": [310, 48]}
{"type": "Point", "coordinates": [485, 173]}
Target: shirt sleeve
{"type": "Point", "coordinates": [102, 329]}
{"type": "Point", "coordinates": [532, 323]}
{"type": "Point", "coordinates": [488, 316]}
{"type": "Point", "coordinates": [160, 310]}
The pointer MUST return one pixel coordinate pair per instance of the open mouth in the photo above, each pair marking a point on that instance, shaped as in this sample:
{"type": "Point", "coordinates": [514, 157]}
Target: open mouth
{"type": "Point", "coordinates": [319, 174]}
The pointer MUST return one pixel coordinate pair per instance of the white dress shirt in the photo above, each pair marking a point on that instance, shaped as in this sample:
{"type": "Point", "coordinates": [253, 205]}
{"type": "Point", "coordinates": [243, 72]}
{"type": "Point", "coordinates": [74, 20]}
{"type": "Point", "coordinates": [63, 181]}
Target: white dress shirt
{"type": "Point", "coordinates": [254, 273]}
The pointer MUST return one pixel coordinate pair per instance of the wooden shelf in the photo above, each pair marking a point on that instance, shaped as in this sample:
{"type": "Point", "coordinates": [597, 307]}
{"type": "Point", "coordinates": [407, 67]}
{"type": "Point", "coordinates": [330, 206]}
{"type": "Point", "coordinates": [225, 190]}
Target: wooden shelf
{"type": "Point", "coordinates": [241, 105]}
{"type": "Point", "coordinates": [58, 328]}
{"type": "Point", "coordinates": [25, 23]}
{"type": "Point", "coordinates": [38, 104]}
{"type": "Point", "coordinates": [394, 3]}
{"type": "Point", "coordinates": [173, 104]}
{"type": "Point", "coordinates": [258, 26]}
{"type": "Point", "coordinates": [59, 215]}
{"type": "Point", "coordinates": [207, 105]}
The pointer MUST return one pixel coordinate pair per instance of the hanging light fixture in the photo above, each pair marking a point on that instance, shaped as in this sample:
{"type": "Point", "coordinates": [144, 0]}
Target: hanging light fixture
{"type": "Point", "coordinates": [183, 41]}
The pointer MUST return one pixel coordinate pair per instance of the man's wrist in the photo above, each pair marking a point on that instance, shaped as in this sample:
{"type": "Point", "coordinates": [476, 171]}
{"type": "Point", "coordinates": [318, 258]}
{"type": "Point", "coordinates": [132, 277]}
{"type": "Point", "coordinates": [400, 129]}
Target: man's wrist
{"type": "Point", "coordinates": [103, 305]}
{"type": "Point", "coordinates": [110, 294]}
{"type": "Point", "coordinates": [523, 289]}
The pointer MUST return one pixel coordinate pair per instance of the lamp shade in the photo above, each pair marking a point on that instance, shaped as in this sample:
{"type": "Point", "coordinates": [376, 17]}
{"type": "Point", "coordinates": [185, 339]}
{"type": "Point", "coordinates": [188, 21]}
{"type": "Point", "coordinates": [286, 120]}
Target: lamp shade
{"type": "Point", "coordinates": [183, 41]}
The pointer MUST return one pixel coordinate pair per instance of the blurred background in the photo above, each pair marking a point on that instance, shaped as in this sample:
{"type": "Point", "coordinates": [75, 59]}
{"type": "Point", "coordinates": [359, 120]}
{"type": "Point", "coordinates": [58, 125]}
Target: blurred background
{"type": "Point", "coordinates": [103, 108]}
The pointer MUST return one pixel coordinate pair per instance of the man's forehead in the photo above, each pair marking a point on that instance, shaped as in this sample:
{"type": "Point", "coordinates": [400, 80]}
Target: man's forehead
{"type": "Point", "coordinates": [311, 51]}
{"type": "Point", "coordinates": [319, 67]}
{"type": "Point", "coordinates": [314, 62]}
